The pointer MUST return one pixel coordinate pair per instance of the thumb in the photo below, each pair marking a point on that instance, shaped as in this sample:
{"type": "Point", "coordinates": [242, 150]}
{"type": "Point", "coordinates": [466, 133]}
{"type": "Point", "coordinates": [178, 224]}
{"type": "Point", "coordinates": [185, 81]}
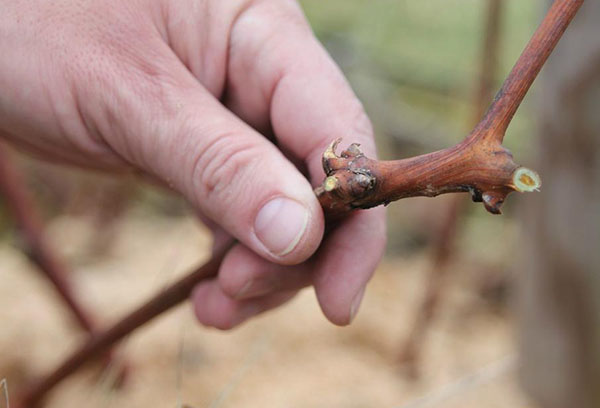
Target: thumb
{"type": "Point", "coordinates": [244, 183]}
{"type": "Point", "coordinates": [234, 175]}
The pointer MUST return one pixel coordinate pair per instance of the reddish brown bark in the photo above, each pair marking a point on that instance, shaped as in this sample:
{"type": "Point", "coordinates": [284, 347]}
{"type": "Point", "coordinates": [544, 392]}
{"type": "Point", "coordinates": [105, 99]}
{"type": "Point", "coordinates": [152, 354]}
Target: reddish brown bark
{"type": "Point", "coordinates": [30, 226]}
{"type": "Point", "coordinates": [31, 229]}
{"type": "Point", "coordinates": [479, 165]}
{"type": "Point", "coordinates": [102, 341]}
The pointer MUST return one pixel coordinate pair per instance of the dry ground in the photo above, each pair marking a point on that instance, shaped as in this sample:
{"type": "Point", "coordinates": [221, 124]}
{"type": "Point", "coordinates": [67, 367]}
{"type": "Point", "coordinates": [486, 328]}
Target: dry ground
{"type": "Point", "coordinates": [288, 358]}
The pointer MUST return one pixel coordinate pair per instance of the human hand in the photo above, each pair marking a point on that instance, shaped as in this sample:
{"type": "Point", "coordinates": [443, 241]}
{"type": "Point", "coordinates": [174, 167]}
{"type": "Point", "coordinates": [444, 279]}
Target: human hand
{"type": "Point", "coordinates": [191, 92]}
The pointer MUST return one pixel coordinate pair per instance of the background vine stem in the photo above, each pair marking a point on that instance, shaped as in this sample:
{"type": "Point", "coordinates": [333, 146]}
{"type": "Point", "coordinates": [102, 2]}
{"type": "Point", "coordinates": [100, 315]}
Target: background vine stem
{"type": "Point", "coordinates": [31, 232]}
{"type": "Point", "coordinates": [31, 236]}
{"type": "Point", "coordinates": [445, 235]}
{"type": "Point", "coordinates": [479, 165]}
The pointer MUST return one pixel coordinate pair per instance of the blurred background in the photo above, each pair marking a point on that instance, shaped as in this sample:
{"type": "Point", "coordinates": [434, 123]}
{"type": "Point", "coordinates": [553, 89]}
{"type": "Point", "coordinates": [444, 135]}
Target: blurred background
{"type": "Point", "coordinates": [458, 295]}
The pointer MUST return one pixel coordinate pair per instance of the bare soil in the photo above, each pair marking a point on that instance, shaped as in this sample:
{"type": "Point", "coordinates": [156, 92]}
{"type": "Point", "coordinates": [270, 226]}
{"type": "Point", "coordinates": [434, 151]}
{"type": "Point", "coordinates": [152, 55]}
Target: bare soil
{"type": "Point", "coordinates": [291, 357]}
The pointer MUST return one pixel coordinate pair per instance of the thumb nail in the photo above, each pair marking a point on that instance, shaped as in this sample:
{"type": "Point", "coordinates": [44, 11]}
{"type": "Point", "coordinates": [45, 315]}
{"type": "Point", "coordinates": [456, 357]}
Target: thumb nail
{"type": "Point", "coordinates": [280, 224]}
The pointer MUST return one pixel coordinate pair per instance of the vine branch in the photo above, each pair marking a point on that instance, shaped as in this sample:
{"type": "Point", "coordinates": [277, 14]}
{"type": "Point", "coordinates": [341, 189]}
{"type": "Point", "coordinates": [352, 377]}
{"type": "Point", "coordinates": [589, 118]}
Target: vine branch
{"type": "Point", "coordinates": [31, 230]}
{"type": "Point", "coordinates": [479, 165]}
{"type": "Point", "coordinates": [528, 66]}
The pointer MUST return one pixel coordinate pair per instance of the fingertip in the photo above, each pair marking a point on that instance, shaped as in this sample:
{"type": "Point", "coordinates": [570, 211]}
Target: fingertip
{"type": "Point", "coordinates": [232, 278]}
{"type": "Point", "coordinates": [245, 275]}
{"type": "Point", "coordinates": [213, 308]}
{"type": "Point", "coordinates": [355, 305]}
{"type": "Point", "coordinates": [348, 260]}
{"type": "Point", "coordinates": [343, 313]}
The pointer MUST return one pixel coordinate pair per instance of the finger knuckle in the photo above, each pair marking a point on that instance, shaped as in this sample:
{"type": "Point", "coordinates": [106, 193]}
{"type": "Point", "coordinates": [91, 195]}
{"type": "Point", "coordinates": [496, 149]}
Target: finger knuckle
{"type": "Point", "coordinates": [269, 21]}
{"type": "Point", "coordinates": [285, 12]}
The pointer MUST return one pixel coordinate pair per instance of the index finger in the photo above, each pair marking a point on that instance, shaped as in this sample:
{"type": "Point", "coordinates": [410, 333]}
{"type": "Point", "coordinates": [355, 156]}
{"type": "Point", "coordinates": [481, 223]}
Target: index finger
{"type": "Point", "coordinates": [281, 77]}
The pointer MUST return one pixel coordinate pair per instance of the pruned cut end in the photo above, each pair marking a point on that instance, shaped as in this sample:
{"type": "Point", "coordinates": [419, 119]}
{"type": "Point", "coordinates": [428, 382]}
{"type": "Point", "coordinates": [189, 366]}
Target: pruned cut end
{"type": "Point", "coordinates": [331, 183]}
{"type": "Point", "coordinates": [526, 180]}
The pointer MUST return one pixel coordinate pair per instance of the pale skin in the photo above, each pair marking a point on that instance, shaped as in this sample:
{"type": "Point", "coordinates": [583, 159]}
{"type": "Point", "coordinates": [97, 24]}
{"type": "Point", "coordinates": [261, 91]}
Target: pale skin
{"type": "Point", "coordinates": [231, 103]}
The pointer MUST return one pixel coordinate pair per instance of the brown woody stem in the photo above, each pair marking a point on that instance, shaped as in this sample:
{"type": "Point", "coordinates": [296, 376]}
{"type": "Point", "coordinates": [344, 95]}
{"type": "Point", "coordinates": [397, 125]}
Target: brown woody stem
{"type": "Point", "coordinates": [531, 61]}
{"type": "Point", "coordinates": [479, 165]}
{"type": "Point", "coordinates": [29, 223]}
{"type": "Point", "coordinates": [30, 226]}
{"type": "Point", "coordinates": [102, 341]}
